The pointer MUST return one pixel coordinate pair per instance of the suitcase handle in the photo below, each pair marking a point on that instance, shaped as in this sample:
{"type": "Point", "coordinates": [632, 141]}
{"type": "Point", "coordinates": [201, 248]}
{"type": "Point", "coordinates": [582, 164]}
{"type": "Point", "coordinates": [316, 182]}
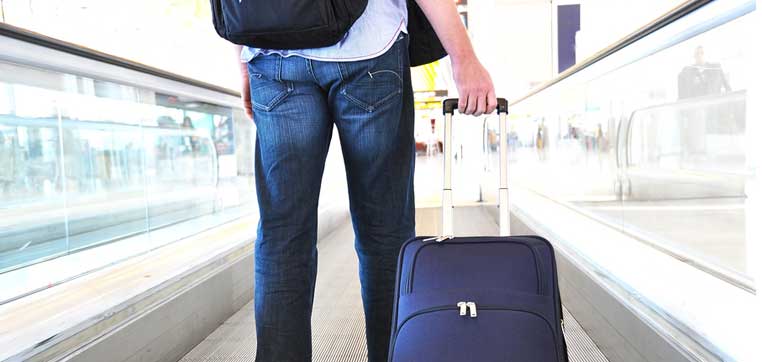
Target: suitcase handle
{"type": "Point", "coordinates": [448, 107]}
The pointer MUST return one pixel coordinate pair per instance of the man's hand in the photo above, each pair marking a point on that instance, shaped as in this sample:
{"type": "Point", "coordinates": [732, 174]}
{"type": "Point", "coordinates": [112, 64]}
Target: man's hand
{"type": "Point", "coordinates": [245, 87]}
{"type": "Point", "coordinates": [246, 96]}
{"type": "Point", "coordinates": [476, 94]}
{"type": "Point", "coordinates": [475, 90]}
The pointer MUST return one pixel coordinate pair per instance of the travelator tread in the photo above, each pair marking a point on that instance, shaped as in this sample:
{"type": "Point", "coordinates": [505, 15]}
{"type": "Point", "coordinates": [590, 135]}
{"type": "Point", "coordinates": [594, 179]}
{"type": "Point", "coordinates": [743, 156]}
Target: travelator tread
{"type": "Point", "coordinates": [338, 332]}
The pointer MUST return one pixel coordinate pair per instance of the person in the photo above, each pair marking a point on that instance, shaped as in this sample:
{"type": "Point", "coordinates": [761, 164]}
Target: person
{"type": "Point", "coordinates": [432, 142]}
{"type": "Point", "coordinates": [191, 142]}
{"type": "Point", "coordinates": [541, 140]}
{"type": "Point", "coordinates": [702, 78]}
{"type": "Point", "coordinates": [187, 123]}
{"type": "Point", "coordinates": [7, 164]}
{"type": "Point", "coordinates": [362, 85]}
{"type": "Point", "coordinates": [600, 140]}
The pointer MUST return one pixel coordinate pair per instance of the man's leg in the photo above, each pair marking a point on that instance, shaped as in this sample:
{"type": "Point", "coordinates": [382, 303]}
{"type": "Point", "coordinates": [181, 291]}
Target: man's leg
{"type": "Point", "coordinates": [293, 135]}
{"type": "Point", "coordinates": [374, 115]}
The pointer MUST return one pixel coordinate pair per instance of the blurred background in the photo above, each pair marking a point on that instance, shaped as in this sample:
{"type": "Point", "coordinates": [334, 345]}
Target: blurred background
{"type": "Point", "coordinates": [647, 139]}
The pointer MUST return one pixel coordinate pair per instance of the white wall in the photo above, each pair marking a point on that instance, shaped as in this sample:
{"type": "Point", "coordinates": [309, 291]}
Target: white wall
{"type": "Point", "coordinates": [176, 35]}
{"type": "Point", "coordinates": [515, 39]}
{"type": "Point", "coordinates": [606, 21]}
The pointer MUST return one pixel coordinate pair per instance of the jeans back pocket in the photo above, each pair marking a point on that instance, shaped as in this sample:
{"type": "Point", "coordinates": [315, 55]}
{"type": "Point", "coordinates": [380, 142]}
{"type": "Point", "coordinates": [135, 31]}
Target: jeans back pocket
{"type": "Point", "coordinates": [267, 89]}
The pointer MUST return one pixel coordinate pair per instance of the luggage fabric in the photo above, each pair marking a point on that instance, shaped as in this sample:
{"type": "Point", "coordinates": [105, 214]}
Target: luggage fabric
{"type": "Point", "coordinates": [285, 24]}
{"type": "Point", "coordinates": [477, 298]}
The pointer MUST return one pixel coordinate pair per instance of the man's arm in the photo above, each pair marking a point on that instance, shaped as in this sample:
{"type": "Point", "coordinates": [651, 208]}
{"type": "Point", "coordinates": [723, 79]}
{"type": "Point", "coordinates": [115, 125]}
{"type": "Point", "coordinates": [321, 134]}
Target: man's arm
{"type": "Point", "coordinates": [475, 89]}
{"type": "Point", "coordinates": [245, 90]}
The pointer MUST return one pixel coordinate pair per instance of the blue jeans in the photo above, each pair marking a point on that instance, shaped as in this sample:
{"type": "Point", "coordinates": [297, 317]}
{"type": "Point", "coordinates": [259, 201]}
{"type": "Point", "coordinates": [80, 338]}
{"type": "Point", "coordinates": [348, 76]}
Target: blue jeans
{"type": "Point", "coordinates": [296, 103]}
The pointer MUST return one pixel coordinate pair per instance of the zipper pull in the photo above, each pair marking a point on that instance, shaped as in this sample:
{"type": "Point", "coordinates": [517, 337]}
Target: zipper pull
{"type": "Point", "coordinates": [472, 307]}
{"type": "Point", "coordinates": [462, 306]}
{"type": "Point", "coordinates": [439, 239]}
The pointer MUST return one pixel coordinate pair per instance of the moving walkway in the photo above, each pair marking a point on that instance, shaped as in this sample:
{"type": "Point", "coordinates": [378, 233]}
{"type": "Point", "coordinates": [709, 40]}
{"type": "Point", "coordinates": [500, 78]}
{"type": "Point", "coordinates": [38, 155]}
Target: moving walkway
{"type": "Point", "coordinates": [126, 196]}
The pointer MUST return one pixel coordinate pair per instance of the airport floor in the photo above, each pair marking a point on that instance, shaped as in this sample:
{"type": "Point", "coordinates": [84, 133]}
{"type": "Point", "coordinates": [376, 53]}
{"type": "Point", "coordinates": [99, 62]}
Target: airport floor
{"type": "Point", "coordinates": [337, 319]}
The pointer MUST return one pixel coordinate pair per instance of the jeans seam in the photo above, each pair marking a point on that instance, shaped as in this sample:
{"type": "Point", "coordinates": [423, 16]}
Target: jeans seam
{"type": "Point", "coordinates": [361, 104]}
{"type": "Point", "coordinates": [399, 62]}
{"type": "Point", "coordinates": [370, 107]}
{"type": "Point", "coordinates": [278, 67]}
{"type": "Point", "coordinates": [311, 70]}
{"type": "Point", "coordinates": [341, 73]}
{"type": "Point", "coordinates": [278, 78]}
{"type": "Point", "coordinates": [386, 71]}
{"type": "Point", "coordinates": [274, 102]}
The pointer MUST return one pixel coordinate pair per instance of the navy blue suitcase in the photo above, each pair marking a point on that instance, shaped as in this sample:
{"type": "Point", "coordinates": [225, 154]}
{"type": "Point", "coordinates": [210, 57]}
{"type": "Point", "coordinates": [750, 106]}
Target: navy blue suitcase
{"type": "Point", "coordinates": [478, 299]}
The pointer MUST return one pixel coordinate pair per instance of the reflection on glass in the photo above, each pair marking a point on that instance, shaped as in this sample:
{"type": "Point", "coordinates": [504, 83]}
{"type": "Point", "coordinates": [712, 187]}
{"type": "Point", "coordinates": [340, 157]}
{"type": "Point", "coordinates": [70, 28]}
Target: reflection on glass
{"type": "Point", "coordinates": [702, 78]}
{"type": "Point", "coordinates": [657, 148]}
{"type": "Point", "coordinates": [32, 222]}
{"type": "Point", "coordinates": [85, 162]}
{"type": "Point", "coordinates": [104, 182]}
{"type": "Point", "coordinates": [179, 162]}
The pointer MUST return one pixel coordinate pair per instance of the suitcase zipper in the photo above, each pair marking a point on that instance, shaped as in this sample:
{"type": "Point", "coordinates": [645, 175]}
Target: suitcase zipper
{"type": "Point", "coordinates": [439, 239]}
{"type": "Point", "coordinates": [460, 306]}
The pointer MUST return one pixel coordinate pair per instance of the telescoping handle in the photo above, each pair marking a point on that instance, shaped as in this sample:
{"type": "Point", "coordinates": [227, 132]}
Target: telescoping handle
{"type": "Point", "coordinates": [449, 106]}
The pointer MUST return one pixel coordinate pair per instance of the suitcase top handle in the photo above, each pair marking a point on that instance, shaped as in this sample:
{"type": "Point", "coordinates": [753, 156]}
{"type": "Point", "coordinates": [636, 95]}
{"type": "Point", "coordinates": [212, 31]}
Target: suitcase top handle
{"type": "Point", "coordinates": [449, 106]}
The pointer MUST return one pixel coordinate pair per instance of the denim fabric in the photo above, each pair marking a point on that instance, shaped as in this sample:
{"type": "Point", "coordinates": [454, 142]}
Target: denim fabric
{"type": "Point", "coordinates": [296, 103]}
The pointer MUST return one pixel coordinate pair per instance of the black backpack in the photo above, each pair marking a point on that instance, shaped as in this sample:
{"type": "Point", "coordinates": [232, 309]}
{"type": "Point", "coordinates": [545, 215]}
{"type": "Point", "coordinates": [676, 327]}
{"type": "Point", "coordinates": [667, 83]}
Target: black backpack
{"type": "Point", "coordinates": [285, 24]}
{"type": "Point", "coordinates": [425, 46]}
{"type": "Point", "coordinates": [302, 24]}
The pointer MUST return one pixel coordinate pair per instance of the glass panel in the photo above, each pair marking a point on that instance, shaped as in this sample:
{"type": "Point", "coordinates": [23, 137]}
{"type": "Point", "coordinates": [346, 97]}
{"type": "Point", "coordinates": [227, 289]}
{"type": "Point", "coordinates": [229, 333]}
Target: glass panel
{"type": "Point", "coordinates": [687, 163]}
{"type": "Point", "coordinates": [87, 162]}
{"type": "Point", "coordinates": [103, 153]}
{"type": "Point", "coordinates": [656, 148]}
{"type": "Point", "coordinates": [238, 190]}
{"type": "Point", "coordinates": [32, 202]}
{"type": "Point", "coordinates": [106, 181]}
{"type": "Point", "coordinates": [653, 142]}
{"type": "Point", "coordinates": [181, 161]}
